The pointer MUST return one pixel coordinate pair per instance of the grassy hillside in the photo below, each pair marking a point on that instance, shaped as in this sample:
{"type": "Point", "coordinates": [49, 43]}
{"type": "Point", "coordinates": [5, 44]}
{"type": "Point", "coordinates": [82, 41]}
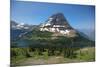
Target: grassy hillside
{"type": "Point", "coordinates": [45, 39]}
{"type": "Point", "coordinates": [44, 47]}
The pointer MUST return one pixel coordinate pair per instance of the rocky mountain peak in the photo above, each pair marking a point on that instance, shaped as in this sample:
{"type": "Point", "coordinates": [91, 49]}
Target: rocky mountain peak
{"type": "Point", "coordinates": [57, 23]}
{"type": "Point", "coordinates": [58, 19]}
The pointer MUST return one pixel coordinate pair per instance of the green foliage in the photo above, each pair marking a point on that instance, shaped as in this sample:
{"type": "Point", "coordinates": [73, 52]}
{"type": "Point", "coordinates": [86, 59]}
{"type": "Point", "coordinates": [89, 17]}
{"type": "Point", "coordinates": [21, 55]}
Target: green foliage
{"type": "Point", "coordinates": [43, 45]}
{"type": "Point", "coordinates": [27, 53]}
{"type": "Point", "coordinates": [13, 44]}
{"type": "Point", "coordinates": [56, 52]}
{"type": "Point", "coordinates": [45, 54]}
{"type": "Point", "coordinates": [36, 53]}
{"type": "Point", "coordinates": [87, 54]}
{"type": "Point", "coordinates": [18, 53]}
{"type": "Point", "coordinates": [36, 34]}
{"type": "Point", "coordinates": [45, 39]}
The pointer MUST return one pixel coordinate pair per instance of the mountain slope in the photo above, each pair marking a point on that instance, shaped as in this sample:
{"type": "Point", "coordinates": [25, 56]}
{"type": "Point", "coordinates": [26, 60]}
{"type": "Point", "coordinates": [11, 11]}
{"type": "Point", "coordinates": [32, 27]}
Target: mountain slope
{"type": "Point", "coordinates": [44, 39]}
{"type": "Point", "coordinates": [57, 23]}
{"type": "Point", "coordinates": [55, 32]}
{"type": "Point", "coordinates": [18, 30]}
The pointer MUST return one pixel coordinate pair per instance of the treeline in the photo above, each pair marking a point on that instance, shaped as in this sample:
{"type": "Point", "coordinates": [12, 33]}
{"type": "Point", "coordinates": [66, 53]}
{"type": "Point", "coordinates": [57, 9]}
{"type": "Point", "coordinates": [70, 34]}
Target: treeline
{"type": "Point", "coordinates": [45, 39]}
{"type": "Point", "coordinates": [46, 52]}
{"type": "Point", "coordinates": [60, 42]}
{"type": "Point", "coordinates": [43, 44]}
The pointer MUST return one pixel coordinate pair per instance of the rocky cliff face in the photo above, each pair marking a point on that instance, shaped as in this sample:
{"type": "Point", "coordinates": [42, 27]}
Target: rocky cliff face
{"type": "Point", "coordinates": [58, 24]}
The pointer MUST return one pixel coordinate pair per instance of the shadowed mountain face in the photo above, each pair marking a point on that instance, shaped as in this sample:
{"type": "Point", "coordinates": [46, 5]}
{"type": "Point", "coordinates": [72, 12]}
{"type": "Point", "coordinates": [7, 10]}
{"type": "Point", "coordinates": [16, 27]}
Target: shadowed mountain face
{"type": "Point", "coordinates": [89, 32]}
{"type": "Point", "coordinates": [58, 19]}
{"type": "Point", "coordinates": [57, 23]}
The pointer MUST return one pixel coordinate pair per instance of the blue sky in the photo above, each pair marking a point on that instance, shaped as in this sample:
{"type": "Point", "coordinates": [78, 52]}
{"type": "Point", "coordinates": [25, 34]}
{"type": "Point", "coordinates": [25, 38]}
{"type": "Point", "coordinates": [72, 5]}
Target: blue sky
{"type": "Point", "coordinates": [78, 16]}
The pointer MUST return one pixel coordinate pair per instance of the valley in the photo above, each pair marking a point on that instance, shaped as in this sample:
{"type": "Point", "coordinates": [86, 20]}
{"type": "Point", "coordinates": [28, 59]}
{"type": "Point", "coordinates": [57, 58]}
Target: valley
{"type": "Point", "coordinates": [51, 42]}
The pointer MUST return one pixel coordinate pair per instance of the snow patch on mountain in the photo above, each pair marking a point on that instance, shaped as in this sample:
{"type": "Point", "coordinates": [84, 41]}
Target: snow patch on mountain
{"type": "Point", "coordinates": [57, 23]}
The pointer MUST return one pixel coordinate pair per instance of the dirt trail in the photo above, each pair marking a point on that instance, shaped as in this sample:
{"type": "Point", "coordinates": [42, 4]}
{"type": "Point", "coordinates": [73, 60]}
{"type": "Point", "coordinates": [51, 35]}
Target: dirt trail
{"type": "Point", "coordinates": [51, 60]}
{"type": "Point", "coordinates": [32, 61]}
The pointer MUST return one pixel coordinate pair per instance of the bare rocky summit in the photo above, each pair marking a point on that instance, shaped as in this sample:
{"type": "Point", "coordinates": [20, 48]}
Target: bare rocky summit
{"type": "Point", "coordinates": [58, 24]}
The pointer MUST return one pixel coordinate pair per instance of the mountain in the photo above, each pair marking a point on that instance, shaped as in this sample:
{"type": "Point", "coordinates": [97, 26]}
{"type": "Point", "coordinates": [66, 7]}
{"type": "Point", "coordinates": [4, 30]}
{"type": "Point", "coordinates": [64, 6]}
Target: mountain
{"type": "Point", "coordinates": [19, 29]}
{"type": "Point", "coordinates": [89, 32]}
{"type": "Point", "coordinates": [54, 32]}
{"type": "Point", "coordinates": [58, 24]}
{"type": "Point", "coordinates": [21, 26]}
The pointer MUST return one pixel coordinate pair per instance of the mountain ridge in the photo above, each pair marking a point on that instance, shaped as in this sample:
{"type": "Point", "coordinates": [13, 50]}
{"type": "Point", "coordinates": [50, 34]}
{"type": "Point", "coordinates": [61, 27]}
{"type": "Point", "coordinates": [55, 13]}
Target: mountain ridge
{"type": "Point", "coordinates": [53, 33]}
